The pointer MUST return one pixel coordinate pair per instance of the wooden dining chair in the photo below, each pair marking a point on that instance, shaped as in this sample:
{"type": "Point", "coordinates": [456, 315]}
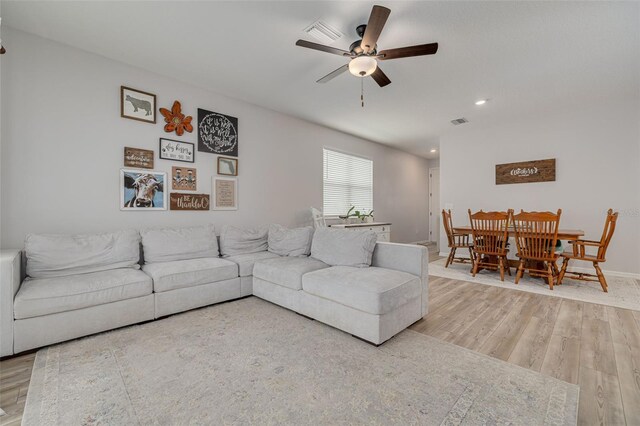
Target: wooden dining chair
{"type": "Point", "coordinates": [536, 238]}
{"type": "Point", "coordinates": [455, 241]}
{"type": "Point", "coordinates": [579, 252]}
{"type": "Point", "coordinates": [490, 232]}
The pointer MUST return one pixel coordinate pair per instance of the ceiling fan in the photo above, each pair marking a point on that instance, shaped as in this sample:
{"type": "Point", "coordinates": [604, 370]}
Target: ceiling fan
{"type": "Point", "coordinates": [364, 53]}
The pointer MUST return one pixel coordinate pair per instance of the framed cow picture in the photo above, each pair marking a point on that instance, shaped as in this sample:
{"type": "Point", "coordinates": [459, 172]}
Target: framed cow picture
{"type": "Point", "coordinates": [143, 190]}
{"type": "Point", "coordinates": [137, 105]}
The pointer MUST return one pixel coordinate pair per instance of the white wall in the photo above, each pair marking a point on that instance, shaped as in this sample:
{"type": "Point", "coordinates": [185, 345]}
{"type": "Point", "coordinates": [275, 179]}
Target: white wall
{"type": "Point", "coordinates": [597, 152]}
{"type": "Point", "coordinates": [63, 139]}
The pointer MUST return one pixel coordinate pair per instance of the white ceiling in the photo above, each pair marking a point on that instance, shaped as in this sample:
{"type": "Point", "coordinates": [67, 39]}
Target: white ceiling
{"type": "Point", "coordinates": [524, 56]}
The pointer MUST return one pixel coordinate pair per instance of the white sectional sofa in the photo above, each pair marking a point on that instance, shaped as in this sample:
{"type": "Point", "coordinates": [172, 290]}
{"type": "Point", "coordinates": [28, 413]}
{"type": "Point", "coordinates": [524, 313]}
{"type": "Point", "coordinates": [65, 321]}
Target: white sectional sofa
{"type": "Point", "coordinates": [63, 287]}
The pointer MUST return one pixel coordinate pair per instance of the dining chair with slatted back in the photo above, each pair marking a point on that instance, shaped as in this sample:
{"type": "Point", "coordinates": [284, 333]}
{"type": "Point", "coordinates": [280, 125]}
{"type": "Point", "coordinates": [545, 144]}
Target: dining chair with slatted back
{"type": "Point", "coordinates": [579, 252]}
{"type": "Point", "coordinates": [490, 231]}
{"type": "Point", "coordinates": [455, 241]}
{"type": "Point", "coordinates": [318, 218]}
{"type": "Point", "coordinates": [536, 239]}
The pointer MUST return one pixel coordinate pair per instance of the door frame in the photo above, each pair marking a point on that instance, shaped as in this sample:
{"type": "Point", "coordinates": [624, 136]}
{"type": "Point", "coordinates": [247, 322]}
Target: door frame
{"type": "Point", "coordinates": [433, 233]}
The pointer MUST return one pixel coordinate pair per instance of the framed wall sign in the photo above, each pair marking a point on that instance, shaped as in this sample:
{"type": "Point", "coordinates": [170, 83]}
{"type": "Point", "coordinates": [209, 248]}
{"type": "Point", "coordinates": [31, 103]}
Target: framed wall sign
{"type": "Point", "coordinates": [143, 190]}
{"type": "Point", "coordinates": [526, 172]}
{"type": "Point", "coordinates": [183, 179]}
{"type": "Point", "coordinates": [137, 105]}
{"type": "Point", "coordinates": [225, 193]}
{"type": "Point", "coordinates": [179, 201]}
{"type": "Point", "coordinates": [176, 150]}
{"type": "Point", "coordinates": [138, 158]}
{"type": "Point", "coordinates": [217, 133]}
{"type": "Point", "coordinates": [227, 166]}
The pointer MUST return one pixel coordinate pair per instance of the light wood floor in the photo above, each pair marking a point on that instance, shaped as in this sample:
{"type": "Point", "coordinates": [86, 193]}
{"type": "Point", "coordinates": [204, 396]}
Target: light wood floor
{"type": "Point", "coordinates": [594, 346]}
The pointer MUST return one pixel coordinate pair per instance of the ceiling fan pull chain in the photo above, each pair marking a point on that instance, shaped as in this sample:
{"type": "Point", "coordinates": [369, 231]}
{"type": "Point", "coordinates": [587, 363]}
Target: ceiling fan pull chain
{"type": "Point", "coordinates": [362, 91]}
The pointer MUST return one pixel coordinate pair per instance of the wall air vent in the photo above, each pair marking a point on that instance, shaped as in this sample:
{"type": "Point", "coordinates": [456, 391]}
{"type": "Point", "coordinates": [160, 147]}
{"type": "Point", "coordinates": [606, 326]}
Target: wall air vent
{"type": "Point", "coordinates": [323, 32]}
{"type": "Point", "coordinates": [459, 121]}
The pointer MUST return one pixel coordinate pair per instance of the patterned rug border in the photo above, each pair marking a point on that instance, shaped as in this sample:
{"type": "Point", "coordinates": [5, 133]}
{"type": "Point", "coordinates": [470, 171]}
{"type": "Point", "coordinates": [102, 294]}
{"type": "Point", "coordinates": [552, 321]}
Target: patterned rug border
{"type": "Point", "coordinates": [543, 289]}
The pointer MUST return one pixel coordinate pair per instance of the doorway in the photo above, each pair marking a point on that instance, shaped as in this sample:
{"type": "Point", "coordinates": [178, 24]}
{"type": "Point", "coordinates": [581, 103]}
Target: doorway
{"type": "Point", "coordinates": [434, 206]}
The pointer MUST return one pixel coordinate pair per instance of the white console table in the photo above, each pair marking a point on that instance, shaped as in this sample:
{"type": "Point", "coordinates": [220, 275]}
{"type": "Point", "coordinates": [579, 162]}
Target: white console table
{"type": "Point", "coordinates": [383, 229]}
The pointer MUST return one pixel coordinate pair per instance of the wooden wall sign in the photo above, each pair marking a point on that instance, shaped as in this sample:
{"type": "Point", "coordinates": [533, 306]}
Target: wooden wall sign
{"type": "Point", "coordinates": [526, 172]}
{"type": "Point", "coordinates": [178, 201]}
{"type": "Point", "coordinates": [138, 158]}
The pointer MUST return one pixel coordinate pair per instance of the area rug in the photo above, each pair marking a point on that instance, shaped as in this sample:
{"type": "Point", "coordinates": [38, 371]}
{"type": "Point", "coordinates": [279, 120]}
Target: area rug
{"type": "Point", "coordinates": [251, 362]}
{"type": "Point", "coordinates": [623, 292]}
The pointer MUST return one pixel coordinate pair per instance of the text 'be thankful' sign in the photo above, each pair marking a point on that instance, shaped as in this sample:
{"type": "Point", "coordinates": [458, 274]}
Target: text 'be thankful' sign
{"type": "Point", "coordinates": [526, 172]}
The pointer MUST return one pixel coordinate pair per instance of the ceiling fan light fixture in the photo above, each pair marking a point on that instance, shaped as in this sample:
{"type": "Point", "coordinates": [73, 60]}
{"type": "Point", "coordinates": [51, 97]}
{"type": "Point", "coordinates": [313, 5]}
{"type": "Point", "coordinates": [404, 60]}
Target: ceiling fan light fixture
{"type": "Point", "coordinates": [363, 66]}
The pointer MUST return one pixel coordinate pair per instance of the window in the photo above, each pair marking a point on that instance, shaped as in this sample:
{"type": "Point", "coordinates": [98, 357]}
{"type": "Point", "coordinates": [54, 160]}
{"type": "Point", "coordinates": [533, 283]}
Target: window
{"type": "Point", "coordinates": [348, 181]}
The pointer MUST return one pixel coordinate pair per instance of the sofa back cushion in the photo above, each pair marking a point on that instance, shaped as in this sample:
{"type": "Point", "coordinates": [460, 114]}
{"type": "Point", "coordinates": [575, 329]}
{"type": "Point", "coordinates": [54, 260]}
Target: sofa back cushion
{"type": "Point", "coordinates": [62, 255]}
{"type": "Point", "coordinates": [342, 247]}
{"type": "Point", "coordinates": [234, 240]}
{"type": "Point", "coordinates": [170, 244]}
{"type": "Point", "coordinates": [290, 242]}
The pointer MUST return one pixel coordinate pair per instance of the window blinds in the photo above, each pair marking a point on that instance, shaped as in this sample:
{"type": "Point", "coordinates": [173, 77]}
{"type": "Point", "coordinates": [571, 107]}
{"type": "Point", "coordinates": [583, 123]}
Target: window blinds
{"type": "Point", "coordinates": [348, 181]}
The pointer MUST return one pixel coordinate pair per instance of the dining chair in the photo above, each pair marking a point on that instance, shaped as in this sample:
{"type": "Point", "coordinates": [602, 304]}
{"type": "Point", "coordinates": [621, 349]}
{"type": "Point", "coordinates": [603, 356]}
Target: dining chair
{"type": "Point", "coordinates": [318, 218]}
{"type": "Point", "coordinates": [536, 238]}
{"type": "Point", "coordinates": [490, 232]}
{"type": "Point", "coordinates": [579, 252]}
{"type": "Point", "coordinates": [455, 241]}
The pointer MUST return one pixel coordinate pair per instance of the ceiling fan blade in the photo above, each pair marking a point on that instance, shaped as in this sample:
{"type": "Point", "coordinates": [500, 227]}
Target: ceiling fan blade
{"type": "Point", "coordinates": [377, 19]}
{"type": "Point", "coordinates": [333, 74]}
{"type": "Point", "coordinates": [322, 48]}
{"type": "Point", "coordinates": [380, 77]}
{"type": "Point", "coordinates": [406, 52]}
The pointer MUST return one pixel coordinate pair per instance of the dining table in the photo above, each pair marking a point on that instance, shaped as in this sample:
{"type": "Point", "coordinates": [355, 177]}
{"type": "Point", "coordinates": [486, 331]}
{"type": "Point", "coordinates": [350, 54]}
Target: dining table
{"type": "Point", "coordinates": [563, 234]}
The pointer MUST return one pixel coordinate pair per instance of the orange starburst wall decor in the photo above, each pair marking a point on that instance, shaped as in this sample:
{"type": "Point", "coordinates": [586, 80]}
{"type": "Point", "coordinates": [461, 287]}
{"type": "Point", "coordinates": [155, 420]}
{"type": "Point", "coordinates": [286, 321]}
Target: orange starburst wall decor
{"type": "Point", "coordinates": [175, 119]}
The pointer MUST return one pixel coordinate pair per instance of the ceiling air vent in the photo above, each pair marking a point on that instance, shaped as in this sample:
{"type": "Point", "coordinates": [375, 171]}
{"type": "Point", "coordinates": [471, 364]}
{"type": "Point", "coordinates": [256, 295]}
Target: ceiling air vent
{"type": "Point", "coordinates": [323, 32]}
{"type": "Point", "coordinates": [459, 121]}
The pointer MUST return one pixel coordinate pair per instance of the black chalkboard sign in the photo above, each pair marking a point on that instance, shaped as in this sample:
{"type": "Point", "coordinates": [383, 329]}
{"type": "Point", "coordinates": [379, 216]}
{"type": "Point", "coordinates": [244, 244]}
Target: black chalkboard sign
{"type": "Point", "coordinates": [217, 133]}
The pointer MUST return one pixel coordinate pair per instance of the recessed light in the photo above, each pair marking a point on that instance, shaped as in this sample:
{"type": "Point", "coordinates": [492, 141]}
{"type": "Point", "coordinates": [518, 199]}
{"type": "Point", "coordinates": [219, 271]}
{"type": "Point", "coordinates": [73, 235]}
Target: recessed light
{"type": "Point", "coordinates": [433, 150]}
{"type": "Point", "coordinates": [481, 102]}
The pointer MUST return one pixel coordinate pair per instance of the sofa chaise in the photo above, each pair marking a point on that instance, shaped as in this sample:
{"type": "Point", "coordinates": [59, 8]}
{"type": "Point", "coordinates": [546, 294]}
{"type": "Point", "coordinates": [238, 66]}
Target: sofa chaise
{"type": "Point", "coordinates": [62, 287]}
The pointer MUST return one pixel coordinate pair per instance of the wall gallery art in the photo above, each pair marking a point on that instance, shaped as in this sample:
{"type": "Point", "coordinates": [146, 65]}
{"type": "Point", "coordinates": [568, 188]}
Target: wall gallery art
{"type": "Point", "coordinates": [143, 190]}
{"type": "Point", "coordinates": [183, 179]}
{"type": "Point", "coordinates": [137, 105]}
{"type": "Point", "coordinates": [176, 150]}
{"type": "Point", "coordinates": [227, 166]}
{"type": "Point", "coordinates": [138, 158]}
{"type": "Point", "coordinates": [217, 133]}
{"type": "Point", "coordinates": [526, 172]}
{"type": "Point", "coordinates": [176, 120]}
{"type": "Point", "coordinates": [178, 201]}
{"type": "Point", "coordinates": [225, 193]}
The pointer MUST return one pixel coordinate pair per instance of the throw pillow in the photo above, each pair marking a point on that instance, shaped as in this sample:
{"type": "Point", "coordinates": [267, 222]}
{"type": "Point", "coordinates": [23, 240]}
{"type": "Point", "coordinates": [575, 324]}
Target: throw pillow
{"type": "Point", "coordinates": [234, 240]}
{"type": "Point", "coordinates": [342, 247]}
{"type": "Point", "coordinates": [290, 242]}
{"type": "Point", "coordinates": [171, 244]}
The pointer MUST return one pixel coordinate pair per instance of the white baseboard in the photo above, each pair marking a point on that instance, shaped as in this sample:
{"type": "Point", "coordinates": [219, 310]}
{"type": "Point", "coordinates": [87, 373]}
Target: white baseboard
{"type": "Point", "coordinates": [588, 270]}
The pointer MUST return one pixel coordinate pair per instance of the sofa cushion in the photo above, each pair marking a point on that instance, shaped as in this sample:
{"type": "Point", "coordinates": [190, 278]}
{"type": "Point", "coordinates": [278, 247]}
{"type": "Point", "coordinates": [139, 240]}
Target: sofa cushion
{"type": "Point", "coordinates": [62, 255]}
{"type": "Point", "coordinates": [290, 242]}
{"type": "Point", "coordinates": [246, 261]}
{"type": "Point", "coordinates": [170, 244]}
{"type": "Point", "coordinates": [372, 290]}
{"type": "Point", "coordinates": [343, 247]}
{"type": "Point", "coordinates": [286, 271]}
{"type": "Point", "coordinates": [189, 273]}
{"type": "Point", "coordinates": [43, 296]}
{"type": "Point", "coordinates": [234, 240]}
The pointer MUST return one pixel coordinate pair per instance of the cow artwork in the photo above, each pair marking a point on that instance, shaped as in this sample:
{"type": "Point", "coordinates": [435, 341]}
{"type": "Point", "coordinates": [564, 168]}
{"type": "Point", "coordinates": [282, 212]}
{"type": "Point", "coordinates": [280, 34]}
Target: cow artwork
{"type": "Point", "coordinates": [142, 190]}
{"type": "Point", "coordinates": [137, 105]}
